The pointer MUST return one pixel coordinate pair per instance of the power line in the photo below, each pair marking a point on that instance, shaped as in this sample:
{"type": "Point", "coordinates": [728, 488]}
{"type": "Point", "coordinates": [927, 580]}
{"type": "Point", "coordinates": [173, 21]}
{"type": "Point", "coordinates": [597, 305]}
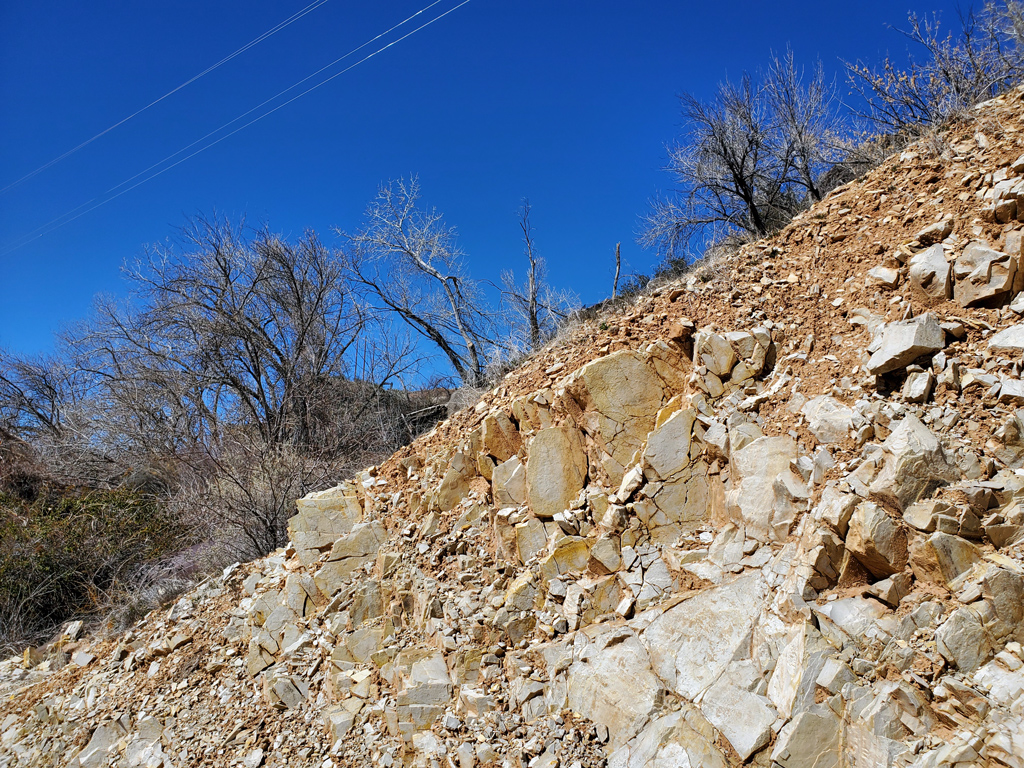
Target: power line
{"type": "Point", "coordinates": [273, 30]}
{"type": "Point", "coordinates": [107, 197]}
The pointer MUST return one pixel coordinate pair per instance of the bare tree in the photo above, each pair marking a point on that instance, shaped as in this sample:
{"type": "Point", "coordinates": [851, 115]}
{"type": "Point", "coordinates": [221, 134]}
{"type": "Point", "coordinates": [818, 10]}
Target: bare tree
{"type": "Point", "coordinates": [406, 262]}
{"type": "Point", "coordinates": [806, 120]}
{"type": "Point", "coordinates": [618, 268]}
{"type": "Point", "coordinates": [34, 394]}
{"type": "Point", "coordinates": [955, 73]}
{"type": "Point", "coordinates": [240, 329]}
{"type": "Point", "coordinates": [534, 307]}
{"type": "Point", "coordinates": [729, 170]}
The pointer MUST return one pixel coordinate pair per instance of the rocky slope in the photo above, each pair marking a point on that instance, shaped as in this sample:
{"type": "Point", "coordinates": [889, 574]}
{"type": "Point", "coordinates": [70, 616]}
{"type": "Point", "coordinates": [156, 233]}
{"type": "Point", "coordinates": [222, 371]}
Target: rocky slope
{"type": "Point", "coordinates": [773, 514]}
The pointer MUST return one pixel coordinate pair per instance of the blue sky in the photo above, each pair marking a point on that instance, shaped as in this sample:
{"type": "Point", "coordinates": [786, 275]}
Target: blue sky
{"type": "Point", "coordinates": [567, 103]}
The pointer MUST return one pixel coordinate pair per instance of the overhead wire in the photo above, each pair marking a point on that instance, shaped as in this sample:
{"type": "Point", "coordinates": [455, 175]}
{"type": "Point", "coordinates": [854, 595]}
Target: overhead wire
{"type": "Point", "coordinates": [108, 197]}
{"type": "Point", "coordinates": [256, 41]}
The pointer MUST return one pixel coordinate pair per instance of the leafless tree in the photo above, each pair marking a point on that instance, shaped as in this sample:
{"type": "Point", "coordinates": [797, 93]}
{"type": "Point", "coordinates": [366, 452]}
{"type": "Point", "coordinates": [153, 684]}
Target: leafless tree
{"type": "Point", "coordinates": [728, 170]}
{"type": "Point", "coordinates": [955, 72]}
{"type": "Point", "coordinates": [239, 329]}
{"type": "Point", "coordinates": [534, 307]}
{"type": "Point", "coordinates": [807, 124]}
{"type": "Point", "coordinates": [35, 393]}
{"type": "Point", "coordinates": [406, 262]}
{"type": "Point", "coordinates": [618, 269]}
{"type": "Point", "coordinates": [748, 159]}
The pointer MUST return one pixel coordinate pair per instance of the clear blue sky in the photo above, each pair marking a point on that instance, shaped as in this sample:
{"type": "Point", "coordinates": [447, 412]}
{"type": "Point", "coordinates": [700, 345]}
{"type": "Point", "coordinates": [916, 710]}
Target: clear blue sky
{"type": "Point", "coordinates": [567, 103]}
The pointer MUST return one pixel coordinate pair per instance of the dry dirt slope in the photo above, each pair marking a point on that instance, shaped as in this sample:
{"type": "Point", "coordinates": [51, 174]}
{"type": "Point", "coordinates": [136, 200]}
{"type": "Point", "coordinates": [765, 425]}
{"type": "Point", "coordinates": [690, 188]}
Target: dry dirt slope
{"type": "Point", "coordinates": [770, 515]}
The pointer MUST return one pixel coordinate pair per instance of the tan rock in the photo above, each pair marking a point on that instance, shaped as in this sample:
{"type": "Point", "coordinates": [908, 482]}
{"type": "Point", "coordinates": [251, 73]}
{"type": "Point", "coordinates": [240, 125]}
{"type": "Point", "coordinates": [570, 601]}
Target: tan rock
{"type": "Point", "coordinates": [915, 464]}
{"type": "Point", "coordinates": [756, 468]}
{"type": "Point", "coordinates": [983, 276]}
{"type": "Point", "coordinates": [619, 397]}
{"type": "Point", "coordinates": [508, 481]}
{"type": "Point", "coordinates": [531, 538]}
{"type": "Point", "coordinates": [571, 554]}
{"type": "Point", "coordinates": [930, 275]}
{"type": "Point", "coordinates": [901, 343]}
{"type": "Point", "coordinates": [876, 541]}
{"type": "Point", "coordinates": [323, 517]}
{"type": "Point", "coordinates": [556, 470]}
{"type": "Point", "coordinates": [500, 437]}
{"type": "Point", "coordinates": [614, 685]}
{"type": "Point", "coordinates": [349, 553]}
{"type": "Point", "coordinates": [941, 557]}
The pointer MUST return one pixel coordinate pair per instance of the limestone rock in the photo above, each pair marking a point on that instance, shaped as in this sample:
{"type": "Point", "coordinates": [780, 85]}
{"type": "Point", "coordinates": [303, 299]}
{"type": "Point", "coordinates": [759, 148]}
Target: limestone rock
{"type": "Point", "coordinates": [876, 541]}
{"type": "Point", "coordinates": [675, 740]}
{"type": "Point", "coordinates": [983, 276]}
{"type": "Point", "coordinates": [935, 233]}
{"type": "Point", "coordinates": [829, 419]}
{"type": "Point", "coordinates": [613, 684]}
{"type": "Point", "coordinates": [500, 437]}
{"type": "Point", "coordinates": [930, 275]}
{"type": "Point", "coordinates": [901, 343]}
{"type": "Point", "coordinates": [508, 481]}
{"type": "Point", "coordinates": [1009, 341]}
{"type": "Point", "coordinates": [323, 517]}
{"type": "Point", "coordinates": [619, 396]}
{"type": "Point", "coordinates": [349, 553]}
{"type": "Point", "coordinates": [692, 643]}
{"type": "Point", "coordinates": [744, 718]}
{"type": "Point", "coordinates": [668, 448]}
{"type": "Point", "coordinates": [963, 641]}
{"type": "Point", "coordinates": [941, 557]}
{"type": "Point", "coordinates": [556, 470]}
{"type": "Point", "coordinates": [756, 468]}
{"type": "Point", "coordinates": [915, 464]}
{"type": "Point", "coordinates": [812, 739]}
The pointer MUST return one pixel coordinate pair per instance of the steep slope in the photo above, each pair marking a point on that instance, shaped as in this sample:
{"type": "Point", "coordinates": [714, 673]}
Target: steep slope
{"type": "Point", "coordinates": [769, 515]}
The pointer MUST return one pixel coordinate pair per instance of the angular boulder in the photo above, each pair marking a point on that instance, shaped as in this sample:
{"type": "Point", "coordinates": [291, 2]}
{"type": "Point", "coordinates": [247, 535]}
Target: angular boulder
{"type": "Point", "coordinates": [901, 343]}
{"type": "Point", "coordinates": [618, 397]}
{"type": "Point", "coordinates": [876, 541]}
{"type": "Point", "coordinates": [508, 483]}
{"type": "Point", "coordinates": [556, 470]}
{"type": "Point", "coordinates": [915, 464]}
{"type": "Point", "coordinates": [930, 275]}
{"type": "Point", "coordinates": [983, 276]}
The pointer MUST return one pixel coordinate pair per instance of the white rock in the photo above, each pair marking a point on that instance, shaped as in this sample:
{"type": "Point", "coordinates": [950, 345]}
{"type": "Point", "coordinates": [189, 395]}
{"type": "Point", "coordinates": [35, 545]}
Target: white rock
{"type": "Point", "coordinates": [901, 343]}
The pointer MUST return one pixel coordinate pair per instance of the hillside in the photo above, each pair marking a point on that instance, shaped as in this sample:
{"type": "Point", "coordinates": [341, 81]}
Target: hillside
{"type": "Point", "coordinates": [771, 514]}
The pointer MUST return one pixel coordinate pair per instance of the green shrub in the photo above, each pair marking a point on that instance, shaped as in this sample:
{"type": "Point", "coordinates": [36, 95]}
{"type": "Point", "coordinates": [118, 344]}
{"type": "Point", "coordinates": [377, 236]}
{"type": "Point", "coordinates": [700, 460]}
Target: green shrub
{"type": "Point", "coordinates": [66, 550]}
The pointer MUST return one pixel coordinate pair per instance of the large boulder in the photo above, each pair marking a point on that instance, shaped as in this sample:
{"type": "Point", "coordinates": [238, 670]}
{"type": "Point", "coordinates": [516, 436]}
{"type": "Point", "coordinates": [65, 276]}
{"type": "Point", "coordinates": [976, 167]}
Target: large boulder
{"type": "Point", "coordinates": [758, 499]}
{"type": "Point", "coordinates": [677, 473]}
{"type": "Point", "coordinates": [425, 688]}
{"type": "Point", "coordinates": [322, 517]}
{"type": "Point", "coordinates": [680, 739]}
{"type": "Point", "coordinates": [812, 739]}
{"type": "Point", "coordinates": [349, 553]}
{"type": "Point", "coordinates": [899, 344]}
{"type": "Point", "coordinates": [876, 541]}
{"type": "Point", "coordinates": [612, 683]}
{"type": "Point", "coordinates": [692, 643]}
{"type": "Point", "coordinates": [556, 470]}
{"type": "Point", "coordinates": [942, 557]}
{"type": "Point", "coordinates": [500, 437]}
{"type": "Point", "coordinates": [963, 641]}
{"type": "Point", "coordinates": [915, 464]}
{"type": "Point", "coordinates": [984, 276]}
{"type": "Point", "coordinates": [929, 275]}
{"type": "Point", "coordinates": [828, 419]}
{"type": "Point", "coordinates": [619, 396]}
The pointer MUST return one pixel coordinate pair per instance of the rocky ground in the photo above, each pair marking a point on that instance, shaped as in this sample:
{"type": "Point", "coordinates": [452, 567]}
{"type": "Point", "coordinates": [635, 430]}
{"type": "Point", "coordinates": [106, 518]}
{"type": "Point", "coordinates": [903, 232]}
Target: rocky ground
{"type": "Point", "coordinates": [771, 514]}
